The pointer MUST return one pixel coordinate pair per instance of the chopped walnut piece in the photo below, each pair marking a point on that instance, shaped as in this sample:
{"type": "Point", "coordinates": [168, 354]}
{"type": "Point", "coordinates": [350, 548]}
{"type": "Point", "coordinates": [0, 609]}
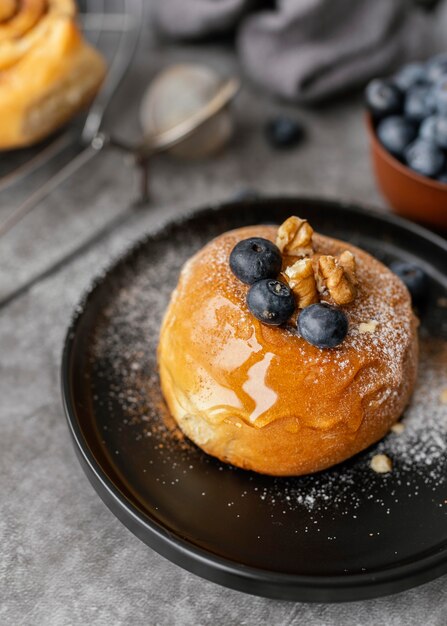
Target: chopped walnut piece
{"type": "Point", "coordinates": [321, 284]}
{"type": "Point", "coordinates": [347, 261]}
{"type": "Point", "coordinates": [294, 237]}
{"type": "Point", "coordinates": [398, 428]}
{"type": "Point", "coordinates": [443, 396]}
{"type": "Point", "coordinates": [337, 280]}
{"type": "Point", "coordinates": [301, 279]}
{"type": "Point", "coordinates": [381, 464]}
{"type": "Point", "coordinates": [368, 327]}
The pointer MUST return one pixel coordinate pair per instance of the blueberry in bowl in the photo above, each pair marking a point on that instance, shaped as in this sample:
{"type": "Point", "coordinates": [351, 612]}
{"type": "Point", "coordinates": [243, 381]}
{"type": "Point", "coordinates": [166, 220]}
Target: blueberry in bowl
{"type": "Point", "coordinates": [396, 133]}
{"type": "Point", "coordinates": [440, 95]}
{"type": "Point", "coordinates": [419, 103]}
{"type": "Point", "coordinates": [425, 157]}
{"type": "Point", "coordinates": [407, 124]}
{"type": "Point", "coordinates": [410, 75]}
{"type": "Point", "coordinates": [436, 67]}
{"type": "Point", "coordinates": [441, 132]}
{"type": "Point", "coordinates": [383, 98]}
{"type": "Point", "coordinates": [427, 129]}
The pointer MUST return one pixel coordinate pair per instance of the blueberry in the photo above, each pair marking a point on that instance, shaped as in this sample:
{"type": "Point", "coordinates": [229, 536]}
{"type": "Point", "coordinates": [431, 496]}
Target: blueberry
{"type": "Point", "coordinates": [442, 178]}
{"type": "Point", "coordinates": [431, 99]}
{"type": "Point", "coordinates": [424, 157]}
{"type": "Point", "coordinates": [434, 129]}
{"type": "Point", "coordinates": [271, 301]}
{"type": "Point", "coordinates": [419, 103]}
{"type": "Point", "coordinates": [441, 131]}
{"type": "Point", "coordinates": [410, 75]}
{"type": "Point", "coordinates": [254, 259]}
{"type": "Point", "coordinates": [323, 325]}
{"type": "Point", "coordinates": [437, 67]}
{"type": "Point", "coordinates": [383, 98]}
{"type": "Point", "coordinates": [284, 132]}
{"type": "Point", "coordinates": [427, 129]}
{"type": "Point", "coordinates": [413, 277]}
{"type": "Point", "coordinates": [440, 96]}
{"type": "Point", "coordinates": [395, 133]}
{"type": "Point", "coordinates": [245, 195]}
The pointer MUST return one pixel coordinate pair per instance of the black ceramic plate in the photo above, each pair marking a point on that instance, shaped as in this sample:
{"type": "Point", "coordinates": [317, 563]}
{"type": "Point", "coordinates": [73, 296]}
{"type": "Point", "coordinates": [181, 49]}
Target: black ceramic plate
{"type": "Point", "coordinates": [343, 534]}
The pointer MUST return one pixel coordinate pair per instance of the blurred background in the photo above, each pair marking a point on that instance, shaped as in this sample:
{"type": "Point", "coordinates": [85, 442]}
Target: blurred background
{"type": "Point", "coordinates": [203, 102]}
{"type": "Point", "coordinates": [291, 122]}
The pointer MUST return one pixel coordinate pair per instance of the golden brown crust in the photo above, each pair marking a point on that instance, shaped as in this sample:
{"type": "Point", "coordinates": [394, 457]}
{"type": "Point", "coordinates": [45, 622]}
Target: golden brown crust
{"type": "Point", "coordinates": [47, 71]}
{"type": "Point", "coordinates": [264, 399]}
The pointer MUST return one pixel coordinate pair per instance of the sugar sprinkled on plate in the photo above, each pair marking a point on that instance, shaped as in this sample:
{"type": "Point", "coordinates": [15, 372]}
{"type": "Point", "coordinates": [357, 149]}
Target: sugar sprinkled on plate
{"type": "Point", "coordinates": [125, 347]}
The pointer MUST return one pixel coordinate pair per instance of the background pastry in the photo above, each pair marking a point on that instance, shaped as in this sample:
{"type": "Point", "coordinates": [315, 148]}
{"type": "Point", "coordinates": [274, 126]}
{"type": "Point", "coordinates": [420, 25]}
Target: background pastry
{"type": "Point", "coordinates": [262, 397]}
{"type": "Point", "coordinates": [48, 72]}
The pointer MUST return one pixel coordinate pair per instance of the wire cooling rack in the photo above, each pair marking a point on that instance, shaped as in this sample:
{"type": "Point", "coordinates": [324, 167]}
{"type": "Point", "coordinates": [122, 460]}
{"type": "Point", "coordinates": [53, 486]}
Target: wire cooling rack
{"type": "Point", "coordinates": [114, 27]}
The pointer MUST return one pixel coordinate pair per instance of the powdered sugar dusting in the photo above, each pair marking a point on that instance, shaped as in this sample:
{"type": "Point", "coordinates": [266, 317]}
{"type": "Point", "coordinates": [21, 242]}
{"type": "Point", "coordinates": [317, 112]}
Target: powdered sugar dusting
{"type": "Point", "coordinates": [378, 366]}
{"type": "Point", "coordinates": [123, 362]}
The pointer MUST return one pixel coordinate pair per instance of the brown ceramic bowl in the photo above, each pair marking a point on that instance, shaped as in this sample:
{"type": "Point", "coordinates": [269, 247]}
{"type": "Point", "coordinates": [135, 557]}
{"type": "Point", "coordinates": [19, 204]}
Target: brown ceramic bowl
{"type": "Point", "coordinates": [411, 195]}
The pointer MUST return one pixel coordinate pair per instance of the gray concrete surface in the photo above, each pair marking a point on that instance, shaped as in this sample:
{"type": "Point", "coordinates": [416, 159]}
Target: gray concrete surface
{"type": "Point", "coordinates": [65, 559]}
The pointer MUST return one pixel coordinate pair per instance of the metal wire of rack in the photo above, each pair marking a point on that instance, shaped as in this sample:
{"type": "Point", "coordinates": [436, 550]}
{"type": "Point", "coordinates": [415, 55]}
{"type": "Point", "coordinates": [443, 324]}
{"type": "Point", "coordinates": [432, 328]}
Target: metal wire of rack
{"type": "Point", "coordinates": [114, 27]}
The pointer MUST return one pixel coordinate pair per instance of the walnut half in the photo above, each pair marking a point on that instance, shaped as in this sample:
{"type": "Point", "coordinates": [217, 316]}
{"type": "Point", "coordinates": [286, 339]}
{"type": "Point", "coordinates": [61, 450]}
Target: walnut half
{"type": "Point", "coordinates": [294, 237]}
{"type": "Point", "coordinates": [301, 279]}
{"type": "Point", "coordinates": [338, 279]}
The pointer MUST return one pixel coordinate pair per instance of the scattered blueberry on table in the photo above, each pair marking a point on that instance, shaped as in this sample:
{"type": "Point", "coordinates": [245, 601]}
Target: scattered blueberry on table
{"type": "Point", "coordinates": [409, 111]}
{"type": "Point", "coordinates": [255, 259]}
{"type": "Point", "coordinates": [271, 301]}
{"type": "Point", "coordinates": [284, 132]}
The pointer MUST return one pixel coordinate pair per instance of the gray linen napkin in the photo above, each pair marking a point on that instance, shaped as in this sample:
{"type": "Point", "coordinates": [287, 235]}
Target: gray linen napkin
{"type": "Point", "coordinates": [197, 18]}
{"type": "Point", "coordinates": [308, 50]}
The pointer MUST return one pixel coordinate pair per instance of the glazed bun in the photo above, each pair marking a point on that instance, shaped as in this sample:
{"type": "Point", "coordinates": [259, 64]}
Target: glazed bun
{"type": "Point", "coordinates": [263, 398]}
{"type": "Point", "coordinates": [48, 70]}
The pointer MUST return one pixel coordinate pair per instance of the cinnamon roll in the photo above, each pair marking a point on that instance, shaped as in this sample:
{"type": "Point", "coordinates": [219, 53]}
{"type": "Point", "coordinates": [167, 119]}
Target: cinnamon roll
{"type": "Point", "coordinates": [47, 70]}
